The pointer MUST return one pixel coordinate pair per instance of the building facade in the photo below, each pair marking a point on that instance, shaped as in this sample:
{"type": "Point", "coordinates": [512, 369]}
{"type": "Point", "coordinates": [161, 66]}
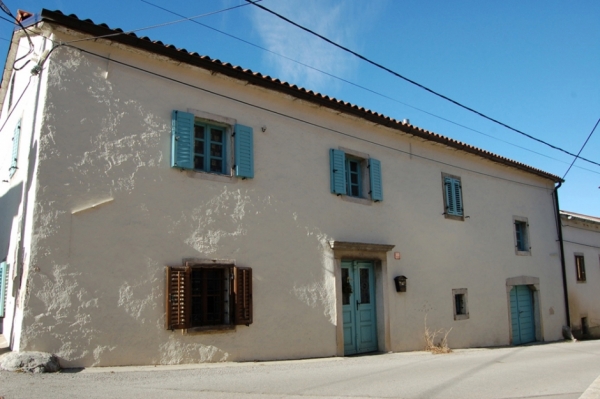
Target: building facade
{"type": "Point", "coordinates": [581, 240]}
{"type": "Point", "coordinates": [161, 207]}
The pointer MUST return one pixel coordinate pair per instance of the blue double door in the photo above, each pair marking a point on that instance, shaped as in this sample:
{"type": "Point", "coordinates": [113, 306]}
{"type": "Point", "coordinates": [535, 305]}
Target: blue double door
{"type": "Point", "coordinates": [522, 318]}
{"type": "Point", "coordinates": [358, 307]}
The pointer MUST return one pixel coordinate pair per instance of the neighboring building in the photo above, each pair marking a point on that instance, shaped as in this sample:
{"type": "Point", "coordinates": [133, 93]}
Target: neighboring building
{"type": "Point", "coordinates": [284, 216]}
{"type": "Point", "coordinates": [581, 240]}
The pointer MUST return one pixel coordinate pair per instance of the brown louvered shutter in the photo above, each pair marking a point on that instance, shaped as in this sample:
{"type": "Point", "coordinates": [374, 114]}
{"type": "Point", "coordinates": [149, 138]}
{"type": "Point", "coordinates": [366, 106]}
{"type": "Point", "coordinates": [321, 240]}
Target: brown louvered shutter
{"type": "Point", "coordinates": [178, 298]}
{"type": "Point", "coordinates": [243, 295]}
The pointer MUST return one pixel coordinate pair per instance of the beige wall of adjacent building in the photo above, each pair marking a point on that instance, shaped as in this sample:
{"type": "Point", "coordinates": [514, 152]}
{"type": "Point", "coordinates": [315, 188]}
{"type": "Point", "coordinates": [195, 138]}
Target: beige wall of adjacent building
{"type": "Point", "coordinates": [581, 237]}
{"type": "Point", "coordinates": [110, 213]}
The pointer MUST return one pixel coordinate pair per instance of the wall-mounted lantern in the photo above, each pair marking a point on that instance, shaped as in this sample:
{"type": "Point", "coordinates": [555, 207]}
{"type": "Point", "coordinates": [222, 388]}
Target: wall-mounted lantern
{"type": "Point", "coordinates": [400, 282]}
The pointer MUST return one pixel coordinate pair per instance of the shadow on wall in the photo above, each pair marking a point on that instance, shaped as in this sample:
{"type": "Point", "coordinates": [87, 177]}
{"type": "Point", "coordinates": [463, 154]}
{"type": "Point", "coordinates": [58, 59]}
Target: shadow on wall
{"type": "Point", "coordinates": [9, 208]}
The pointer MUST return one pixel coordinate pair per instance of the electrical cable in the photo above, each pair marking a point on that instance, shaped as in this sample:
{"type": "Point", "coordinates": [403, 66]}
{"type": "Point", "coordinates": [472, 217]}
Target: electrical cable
{"type": "Point", "coordinates": [17, 22]}
{"type": "Point", "coordinates": [359, 86]}
{"type": "Point", "coordinates": [416, 83]}
{"type": "Point", "coordinates": [293, 117]}
{"type": "Point", "coordinates": [159, 25]}
{"type": "Point", "coordinates": [582, 147]}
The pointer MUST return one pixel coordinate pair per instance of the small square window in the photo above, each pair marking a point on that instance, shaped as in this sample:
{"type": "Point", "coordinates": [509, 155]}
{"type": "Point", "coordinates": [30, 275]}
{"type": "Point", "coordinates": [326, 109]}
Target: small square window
{"type": "Point", "coordinates": [521, 236]}
{"type": "Point", "coordinates": [580, 268]}
{"type": "Point", "coordinates": [453, 200]}
{"type": "Point", "coordinates": [461, 310]}
{"type": "Point", "coordinates": [356, 175]}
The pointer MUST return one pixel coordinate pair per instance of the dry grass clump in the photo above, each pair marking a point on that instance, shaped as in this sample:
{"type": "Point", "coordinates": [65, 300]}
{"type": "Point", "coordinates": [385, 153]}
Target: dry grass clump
{"type": "Point", "coordinates": [430, 338]}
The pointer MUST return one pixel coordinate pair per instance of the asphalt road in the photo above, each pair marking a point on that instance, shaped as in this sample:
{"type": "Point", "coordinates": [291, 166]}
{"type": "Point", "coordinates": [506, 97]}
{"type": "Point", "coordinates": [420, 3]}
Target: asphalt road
{"type": "Point", "coordinates": [557, 371]}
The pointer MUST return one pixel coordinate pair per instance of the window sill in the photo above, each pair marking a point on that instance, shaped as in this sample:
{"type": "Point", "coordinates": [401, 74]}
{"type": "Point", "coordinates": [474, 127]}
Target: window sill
{"type": "Point", "coordinates": [210, 176]}
{"type": "Point", "coordinates": [461, 316]}
{"type": "Point", "coordinates": [522, 253]}
{"type": "Point", "coordinates": [356, 200]}
{"type": "Point", "coordinates": [454, 217]}
{"type": "Point", "coordinates": [209, 330]}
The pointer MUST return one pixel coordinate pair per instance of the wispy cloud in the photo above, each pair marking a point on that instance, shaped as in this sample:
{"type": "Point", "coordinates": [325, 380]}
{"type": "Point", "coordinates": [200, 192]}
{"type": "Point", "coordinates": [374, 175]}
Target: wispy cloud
{"type": "Point", "coordinates": [328, 18]}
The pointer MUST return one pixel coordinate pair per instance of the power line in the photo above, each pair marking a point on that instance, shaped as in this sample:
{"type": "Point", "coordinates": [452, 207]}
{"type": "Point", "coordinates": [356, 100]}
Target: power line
{"type": "Point", "coordinates": [416, 83]}
{"type": "Point", "coordinates": [294, 118]}
{"type": "Point", "coordinates": [360, 87]}
{"type": "Point", "coordinates": [582, 147]}
{"type": "Point", "coordinates": [160, 25]}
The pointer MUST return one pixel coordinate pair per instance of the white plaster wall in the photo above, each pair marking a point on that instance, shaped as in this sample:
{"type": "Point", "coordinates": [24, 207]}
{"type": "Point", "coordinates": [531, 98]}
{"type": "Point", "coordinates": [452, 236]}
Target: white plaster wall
{"type": "Point", "coordinates": [96, 287]}
{"type": "Point", "coordinates": [583, 238]}
{"type": "Point", "coordinates": [17, 193]}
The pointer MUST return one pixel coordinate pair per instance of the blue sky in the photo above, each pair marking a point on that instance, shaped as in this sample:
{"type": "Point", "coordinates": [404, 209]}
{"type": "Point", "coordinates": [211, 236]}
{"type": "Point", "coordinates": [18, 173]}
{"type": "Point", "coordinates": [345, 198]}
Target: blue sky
{"type": "Point", "coordinates": [533, 65]}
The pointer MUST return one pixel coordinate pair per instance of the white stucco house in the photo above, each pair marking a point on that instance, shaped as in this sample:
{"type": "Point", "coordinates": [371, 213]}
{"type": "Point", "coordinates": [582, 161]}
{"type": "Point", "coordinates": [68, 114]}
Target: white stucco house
{"type": "Point", "coordinates": [581, 241]}
{"type": "Point", "coordinates": [161, 207]}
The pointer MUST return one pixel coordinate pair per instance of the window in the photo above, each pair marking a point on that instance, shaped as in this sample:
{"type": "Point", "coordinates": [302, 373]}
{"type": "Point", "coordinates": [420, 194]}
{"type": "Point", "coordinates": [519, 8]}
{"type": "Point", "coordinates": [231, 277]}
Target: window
{"type": "Point", "coordinates": [521, 232]}
{"type": "Point", "coordinates": [453, 202]}
{"type": "Point", "coordinates": [580, 268]}
{"type": "Point", "coordinates": [461, 311]}
{"type": "Point", "coordinates": [15, 150]}
{"type": "Point", "coordinates": [355, 175]}
{"type": "Point", "coordinates": [204, 145]}
{"type": "Point", "coordinates": [208, 296]}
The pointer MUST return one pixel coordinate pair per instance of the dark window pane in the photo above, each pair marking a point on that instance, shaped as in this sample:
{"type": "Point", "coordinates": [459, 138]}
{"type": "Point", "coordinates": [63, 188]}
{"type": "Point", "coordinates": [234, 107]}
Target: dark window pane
{"type": "Point", "coordinates": [354, 178]}
{"type": "Point", "coordinates": [365, 295]}
{"type": "Point", "coordinates": [354, 191]}
{"type": "Point", "coordinates": [199, 132]}
{"type": "Point", "coordinates": [216, 135]}
{"type": "Point", "coordinates": [199, 147]}
{"type": "Point", "coordinates": [216, 150]}
{"type": "Point", "coordinates": [216, 165]}
{"type": "Point", "coordinates": [208, 295]}
{"type": "Point", "coordinates": [199, 163]}
{"type": "Point", "coordinates": [346, 287]}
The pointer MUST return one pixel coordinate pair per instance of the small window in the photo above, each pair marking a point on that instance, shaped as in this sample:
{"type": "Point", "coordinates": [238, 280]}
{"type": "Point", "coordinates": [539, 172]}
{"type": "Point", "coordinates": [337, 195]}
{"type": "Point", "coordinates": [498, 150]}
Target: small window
{"type": "Point", "coordinates": [461, 310]}
{"type": "Point", "coordinates": [580, 268]}
{"type": "Point", "coordinates": [354, 174]}
{"type": "Point", "coordinates": [208, 296]}
{"type": "Point", "coordinates": [204, 145]}
{"type": "Point", "coordinates": [521, 236]}
{"type": "Point", "coordinates": [453, 199]}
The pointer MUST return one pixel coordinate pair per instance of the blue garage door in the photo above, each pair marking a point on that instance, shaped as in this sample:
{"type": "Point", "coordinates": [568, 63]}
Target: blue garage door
{"type": "Point", "coordinates": [521, 310]}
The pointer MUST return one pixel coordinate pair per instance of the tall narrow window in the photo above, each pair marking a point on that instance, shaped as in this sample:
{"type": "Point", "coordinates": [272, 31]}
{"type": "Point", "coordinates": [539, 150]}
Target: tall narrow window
{"type": "Point", "coordinates": [453, 199]}
{"type": "Point", "coordinates": [15, 150]}
{"type": "Point", "coordinates": [460, 305]}
{"type": "Point", "coordinates": [353, 177]}
{"type": "Point", "coordinates": [521, 235]}
{"type": "Point", "coordinates": [580, 268]}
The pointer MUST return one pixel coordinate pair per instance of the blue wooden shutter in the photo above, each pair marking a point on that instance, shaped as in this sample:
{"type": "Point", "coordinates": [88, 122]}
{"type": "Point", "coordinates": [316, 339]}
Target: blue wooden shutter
{"type": "Point", "coordinates": [15, 150]}
{"type": "Point", "coordinates": [450, 209]}
{"type": "Point", "coordinates": [182, 140]}
{"type": "Point", "coordinates": [3, 274]}
{"type": "Point", "coordinates": [337, 170]}
{"type": "Point", "coordinates": [375, 178]}
{"type": "Point", "coordinates": [457, 196]}
{"type": "Point", "coordinates": [244, 151]}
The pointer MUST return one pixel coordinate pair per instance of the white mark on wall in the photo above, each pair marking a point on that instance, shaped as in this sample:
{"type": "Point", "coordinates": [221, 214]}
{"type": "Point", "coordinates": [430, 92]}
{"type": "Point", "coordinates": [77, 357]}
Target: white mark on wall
{"type": "Point", "coordinates": [176, 352]}
{"type": "Point", "coordinates": [135, 300]}
{"type": "Point", "coordinates": [211, 224]}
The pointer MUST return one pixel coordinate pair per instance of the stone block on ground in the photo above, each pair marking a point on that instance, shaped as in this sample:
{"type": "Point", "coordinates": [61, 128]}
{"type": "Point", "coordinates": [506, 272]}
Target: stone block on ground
{"type": "Point", "coordinates": [30, 362]}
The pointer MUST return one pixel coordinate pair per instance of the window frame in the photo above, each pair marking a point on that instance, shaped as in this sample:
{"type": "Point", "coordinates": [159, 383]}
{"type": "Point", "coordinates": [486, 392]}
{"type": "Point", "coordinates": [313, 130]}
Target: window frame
{"type": "Point", "coordinates": [525, 236]}
{"type": "Point", "coordinates": [460, 292]}
{"type": "Point", "coordinates": [580, 267]}
{"type": "Point", "coordinates": [179, 292]}
{"type": "Point", "coordinates": [450, 183]}
{"type": "Point", "coordinates": [368, 175]}
{"type": "Point", "coordinates": [237, 145]}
